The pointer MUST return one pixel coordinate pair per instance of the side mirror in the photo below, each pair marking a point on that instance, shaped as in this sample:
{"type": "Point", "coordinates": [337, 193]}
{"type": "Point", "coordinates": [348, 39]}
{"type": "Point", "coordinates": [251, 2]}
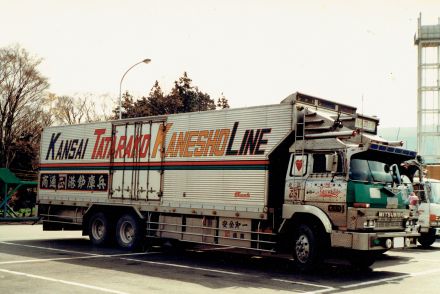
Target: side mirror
{"type": "Point", "coordinates": [331, 162]}
{"type": "Point", "coordinates": [428, 189]}
{"type": "Point", "coordinates": [396, 174]}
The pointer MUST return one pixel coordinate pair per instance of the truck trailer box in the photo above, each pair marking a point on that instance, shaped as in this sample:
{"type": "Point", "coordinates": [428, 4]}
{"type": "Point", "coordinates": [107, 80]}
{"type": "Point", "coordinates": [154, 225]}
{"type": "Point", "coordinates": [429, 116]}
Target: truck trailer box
{"type": "Point", "coordinates": [214, 160]}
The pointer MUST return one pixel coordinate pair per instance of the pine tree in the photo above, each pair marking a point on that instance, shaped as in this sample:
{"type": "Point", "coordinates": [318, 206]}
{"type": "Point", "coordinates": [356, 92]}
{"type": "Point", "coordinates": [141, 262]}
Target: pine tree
{"type": "Point", "coordinates": [222, 102]}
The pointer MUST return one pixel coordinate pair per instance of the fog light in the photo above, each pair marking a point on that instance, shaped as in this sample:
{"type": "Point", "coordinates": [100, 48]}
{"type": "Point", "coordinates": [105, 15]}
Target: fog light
{"type": "Point", "coordinates": [376, 242]}
{"type": "Point", "coordinates": [388, 243]}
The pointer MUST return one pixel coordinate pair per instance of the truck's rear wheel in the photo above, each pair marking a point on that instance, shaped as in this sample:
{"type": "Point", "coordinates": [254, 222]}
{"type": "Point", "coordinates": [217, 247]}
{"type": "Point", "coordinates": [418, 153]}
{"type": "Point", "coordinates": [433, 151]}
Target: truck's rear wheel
{"type": "Point", "coordinates": [306, 254]}
{"type": "Point", "coordinates": [426, 239]}
{"type": "Point", "coordinates": [99, 229]}
{"type": "Point", "coordinates": [129, 232]}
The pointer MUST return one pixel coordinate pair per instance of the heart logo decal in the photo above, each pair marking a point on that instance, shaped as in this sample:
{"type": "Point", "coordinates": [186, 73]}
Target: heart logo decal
{"type": "Point", "coordinates": [299, 164]}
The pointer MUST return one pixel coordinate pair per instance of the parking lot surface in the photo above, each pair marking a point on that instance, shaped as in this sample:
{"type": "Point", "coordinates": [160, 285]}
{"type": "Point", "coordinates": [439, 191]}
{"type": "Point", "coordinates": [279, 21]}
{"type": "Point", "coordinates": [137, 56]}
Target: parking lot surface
{"type": "Point", "coordinates": [33, 261]}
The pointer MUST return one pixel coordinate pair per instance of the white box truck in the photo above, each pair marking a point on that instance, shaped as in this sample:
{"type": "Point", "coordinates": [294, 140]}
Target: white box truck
{"type": "Point", "coordinates": [299, 177]}
{"type": "Point", "coordinates": [426, 206]}
{"type": "Point", "coordinates": [428, 211]}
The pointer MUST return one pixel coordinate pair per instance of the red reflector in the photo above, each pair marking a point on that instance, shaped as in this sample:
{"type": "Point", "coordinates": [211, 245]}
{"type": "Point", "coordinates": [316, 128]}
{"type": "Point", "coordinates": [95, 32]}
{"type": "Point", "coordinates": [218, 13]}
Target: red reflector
{"type": "Point", "coordinates": [361, 205]}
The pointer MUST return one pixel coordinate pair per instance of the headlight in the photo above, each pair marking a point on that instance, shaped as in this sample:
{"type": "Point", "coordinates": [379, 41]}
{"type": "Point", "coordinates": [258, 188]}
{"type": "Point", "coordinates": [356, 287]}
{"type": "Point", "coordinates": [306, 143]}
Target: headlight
{"type": "Point", "coordinates": [370, 223]}
{"type": "Point", "coordinates": [410, 223]}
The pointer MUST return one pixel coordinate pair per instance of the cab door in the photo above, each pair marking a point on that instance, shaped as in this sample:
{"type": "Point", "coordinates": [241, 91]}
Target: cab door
{"type": "Point", "coordinates": [296, 177]}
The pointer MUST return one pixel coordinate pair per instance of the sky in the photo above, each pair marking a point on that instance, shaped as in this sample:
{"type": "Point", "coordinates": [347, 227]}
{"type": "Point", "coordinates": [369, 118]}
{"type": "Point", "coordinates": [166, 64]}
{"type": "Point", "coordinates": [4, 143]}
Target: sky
{"type": "Point", "coordinates": [255, 52]}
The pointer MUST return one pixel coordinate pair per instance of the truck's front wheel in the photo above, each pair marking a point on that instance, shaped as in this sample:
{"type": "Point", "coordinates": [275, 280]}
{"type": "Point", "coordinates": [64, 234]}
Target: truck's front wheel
{"type": "Point", "coordinates": [306, 250]}
{"type": "Point", "coordinates": [426, 239]}
{"type": "Point", "coordinates": [99, 229]}
{"type": "Point", "coordinates": [129, 232]}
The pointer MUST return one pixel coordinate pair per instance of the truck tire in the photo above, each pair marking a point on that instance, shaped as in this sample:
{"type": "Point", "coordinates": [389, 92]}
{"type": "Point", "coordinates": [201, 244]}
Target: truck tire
{"type": "Point", "coordinates": [100, 231]}
{"type": "Point", "coordinates": [129, 232]}
{"type": "Point", "coordinates": [426, 239]}
{"type": "Point", "coordinates": [306, 252]}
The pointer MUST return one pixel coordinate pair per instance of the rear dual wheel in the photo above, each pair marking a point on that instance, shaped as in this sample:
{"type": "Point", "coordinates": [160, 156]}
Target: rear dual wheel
{"type": "Point", "coordinates": [100, 229]}
{"type": "Point", "coordinates": [129, 232]}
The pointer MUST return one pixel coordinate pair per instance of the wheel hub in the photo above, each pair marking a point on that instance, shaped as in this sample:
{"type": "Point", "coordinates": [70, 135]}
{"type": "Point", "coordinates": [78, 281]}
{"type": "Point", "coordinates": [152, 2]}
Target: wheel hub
{"type": "Point", "coordinates": [302, 248]}
{"type": "Point", "coordinates": [127, 232]}
{"type": "Point", "coordinates": [98, 229]}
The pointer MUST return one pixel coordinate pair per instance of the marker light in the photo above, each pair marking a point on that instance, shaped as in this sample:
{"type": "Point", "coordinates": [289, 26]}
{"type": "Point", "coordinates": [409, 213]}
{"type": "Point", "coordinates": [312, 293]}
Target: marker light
{"type": "Point", "coordinates": [361, 205]}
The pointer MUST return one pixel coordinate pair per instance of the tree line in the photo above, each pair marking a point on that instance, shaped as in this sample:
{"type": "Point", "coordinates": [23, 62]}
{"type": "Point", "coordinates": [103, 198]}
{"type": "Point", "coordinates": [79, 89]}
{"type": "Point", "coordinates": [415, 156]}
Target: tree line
{"type": "Point", "coordinates": [27, 106]}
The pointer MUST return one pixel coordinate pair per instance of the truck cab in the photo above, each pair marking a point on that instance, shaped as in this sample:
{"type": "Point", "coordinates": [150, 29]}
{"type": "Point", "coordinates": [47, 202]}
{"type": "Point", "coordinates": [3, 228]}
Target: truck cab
{"type": "Point", "coordinates": [348, 180]}
{"type": "Point", "coordinates": [428, 210]}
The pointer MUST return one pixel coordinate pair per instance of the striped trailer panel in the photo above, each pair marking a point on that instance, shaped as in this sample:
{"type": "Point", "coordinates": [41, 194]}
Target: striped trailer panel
{"type": "Point", "coordinates": [232, 177]}
{"type": "Point", "coordinates": [67, 172]}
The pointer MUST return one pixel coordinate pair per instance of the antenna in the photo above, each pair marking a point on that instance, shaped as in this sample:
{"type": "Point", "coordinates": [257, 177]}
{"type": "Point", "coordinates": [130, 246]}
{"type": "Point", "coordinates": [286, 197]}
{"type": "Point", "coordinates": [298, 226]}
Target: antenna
{"type": "Point", "coordinates": [362, 105]}
{"type": "Point", "coordinates": [362, 117]}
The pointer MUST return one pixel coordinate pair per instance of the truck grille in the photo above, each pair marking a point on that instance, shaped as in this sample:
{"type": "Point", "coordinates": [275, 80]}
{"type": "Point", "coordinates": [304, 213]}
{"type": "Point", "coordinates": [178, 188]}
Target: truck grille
{"type": "Point", "coordinates": [389, 223]}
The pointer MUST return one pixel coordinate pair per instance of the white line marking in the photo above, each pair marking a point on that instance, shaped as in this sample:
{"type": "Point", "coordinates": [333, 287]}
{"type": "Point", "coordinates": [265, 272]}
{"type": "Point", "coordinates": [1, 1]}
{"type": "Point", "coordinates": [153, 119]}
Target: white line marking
{"type": "Point", "coordinates": [63, 282]}
{"type": "Point", "coordinates": [73, 258]}
{"type": "Point", "coordinates": [321, 291]}
{"type": "Point", "coordinates": [376, 281]}
{"type": "Point", "coordinates": [434, 271]}
{"type": "Point", "coordinates": [46, 248]}
{"type": "Point", "coordinates": [186, 266]}
{"type": "Point", "coordinates": [327, 288]}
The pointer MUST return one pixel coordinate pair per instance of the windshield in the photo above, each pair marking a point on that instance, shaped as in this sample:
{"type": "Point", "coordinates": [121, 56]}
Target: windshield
{"type": "Point", "coordinates": [434, 196]}
{"type": "Point", "coordinates": [369, 171]}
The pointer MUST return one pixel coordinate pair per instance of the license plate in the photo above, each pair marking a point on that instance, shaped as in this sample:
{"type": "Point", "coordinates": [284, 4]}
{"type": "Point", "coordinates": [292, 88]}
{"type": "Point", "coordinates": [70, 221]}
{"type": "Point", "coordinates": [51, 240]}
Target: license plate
{"type": "Point", "coordinates": [398, 242]}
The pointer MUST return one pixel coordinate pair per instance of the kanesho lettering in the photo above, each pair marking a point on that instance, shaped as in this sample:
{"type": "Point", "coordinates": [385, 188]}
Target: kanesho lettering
{"type": "Point", "coordinates": [198, 143]}
{"type": "Point", "coordinates": [219, 142]}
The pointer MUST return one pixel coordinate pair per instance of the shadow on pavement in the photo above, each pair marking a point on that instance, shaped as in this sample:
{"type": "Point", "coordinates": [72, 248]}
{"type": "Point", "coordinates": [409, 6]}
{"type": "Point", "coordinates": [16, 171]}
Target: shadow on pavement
{"type": "Point", "coordinates": [212, 269]}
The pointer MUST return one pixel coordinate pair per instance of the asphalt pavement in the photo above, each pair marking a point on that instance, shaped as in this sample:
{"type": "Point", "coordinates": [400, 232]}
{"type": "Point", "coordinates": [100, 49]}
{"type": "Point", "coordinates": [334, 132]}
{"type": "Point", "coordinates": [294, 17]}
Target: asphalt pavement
{"type": "Point", "coordinates": [33, 261]}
